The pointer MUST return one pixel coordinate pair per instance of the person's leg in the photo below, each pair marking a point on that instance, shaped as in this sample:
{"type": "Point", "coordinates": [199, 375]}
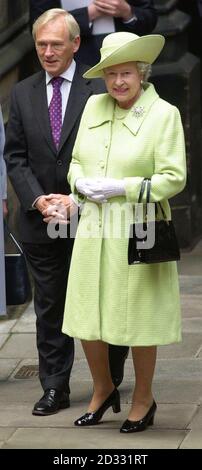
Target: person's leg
{"type": "Point", "coordinates": [49, 264]}
{"type": "Point", "coordinates": [144, 360]}
{"type": "Point", "coordinates": [117, 358]}
{"type": "Point", "coordinates": [97, 356]}
{"type": "Point", "coordinates": [105, 395]}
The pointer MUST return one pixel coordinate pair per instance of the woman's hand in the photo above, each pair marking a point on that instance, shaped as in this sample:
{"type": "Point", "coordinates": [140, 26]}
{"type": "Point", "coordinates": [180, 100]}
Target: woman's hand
{"type": "Point", "coordinates": [100, 189]}
{"type": "Point", "coordinates": [87, 186]}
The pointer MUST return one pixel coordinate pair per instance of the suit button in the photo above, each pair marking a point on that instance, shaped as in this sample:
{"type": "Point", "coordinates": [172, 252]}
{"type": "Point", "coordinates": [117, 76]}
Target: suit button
{"type": "Point", "coordinates": [102, 164]}
{"type": "Point", "coordinates": [59, 162]}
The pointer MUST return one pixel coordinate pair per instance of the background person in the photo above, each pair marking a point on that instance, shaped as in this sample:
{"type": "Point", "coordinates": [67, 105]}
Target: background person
{"type": "Point", "coordinates": [100, 18]}
{"type": "Point", "coordinates": [3, 213]}
{"type": "Point", "coordinates": [124, 136]}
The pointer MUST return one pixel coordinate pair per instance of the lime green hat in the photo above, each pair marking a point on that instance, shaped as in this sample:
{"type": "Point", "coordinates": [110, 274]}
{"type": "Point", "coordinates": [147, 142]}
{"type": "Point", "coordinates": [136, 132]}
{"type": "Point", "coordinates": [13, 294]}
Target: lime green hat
{"type": "Point", "coordinates": [118, 48]}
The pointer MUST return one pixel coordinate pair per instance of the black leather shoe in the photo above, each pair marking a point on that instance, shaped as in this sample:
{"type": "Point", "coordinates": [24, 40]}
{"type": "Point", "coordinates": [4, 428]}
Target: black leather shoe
{"type": "Point", "coordinates": [117, 357]}
{"type": "Point", "coordinates": [51, 402]}
{"type": "Point", "coordinates": [137, 426]}
{"type": "Point", "coordinates": [90, 419]}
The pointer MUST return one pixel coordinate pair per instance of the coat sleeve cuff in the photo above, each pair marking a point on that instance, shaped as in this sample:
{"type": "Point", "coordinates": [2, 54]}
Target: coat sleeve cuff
{"type": "Point", "coordinates": [132, 187]}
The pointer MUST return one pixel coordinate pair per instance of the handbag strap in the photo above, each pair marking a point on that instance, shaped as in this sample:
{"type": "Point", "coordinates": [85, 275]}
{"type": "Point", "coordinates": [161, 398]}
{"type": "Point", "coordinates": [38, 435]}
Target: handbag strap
{"type": "Point", "coordinates": [142, 190]}
{"type": "Point", "coordinates": [12, 237]}
{"type": "Point", "coordinates": [146, 182]}
{"type": "Point", "coordinates": [156, 203]}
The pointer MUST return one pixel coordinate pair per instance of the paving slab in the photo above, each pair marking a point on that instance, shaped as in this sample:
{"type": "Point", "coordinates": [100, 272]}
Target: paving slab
{"type": "Point", "coordinates": [190, 263]}
{"type": "Point", "coordinates": [175, 416]}
{"type": "Point", "coordinates": [183, 368]}
{"type": "Point", "coordinates": [190, 346]}
{"type": "Point", "coordinates": [193, 440]}
{"type": "Point", "coordinates": [190, 284]}
{"type": "Point", "coordinates": [200, 353]}
{"type": "Point", "coordinates": [6, 368]}
{"type": "Point", "coordinates": [178, 391]}
{"type": "Point", "coordinates": [179, 368]}
{"type": "Point", "coordinates": [79, 354]}
{"type": "Point", "coordinates": [3, 339]}
{"type": "Point", "coordinates": [5, 433]}
{"type": "Point", "coordinates": [191, 305]}
{"type": "Point", "coordinates": [26, 324]}
{"type": "Point", "coordinates": [197, 420]}
{"type": "Point", "coordinates": [165, 391]}
{"type": "Point", "coordinates": [190, 267]}
{"type": "Point", "coordinates": [20, 346]}
{"type": "Point", "coordinates": [192, 325]}
{"type": "Point", "coordinates": [90, 438]}
{"type": "Point", "coordinates": [7, 325]}
{"type": "Point", "coordinates": [29, 310]}
{"type": "Point", "coordinates": [20, 391]}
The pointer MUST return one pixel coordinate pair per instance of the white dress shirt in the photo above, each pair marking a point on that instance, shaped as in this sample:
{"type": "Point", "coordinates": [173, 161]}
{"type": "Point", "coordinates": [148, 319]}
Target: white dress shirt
{"type": "Point", "coordinates": [68, 76]}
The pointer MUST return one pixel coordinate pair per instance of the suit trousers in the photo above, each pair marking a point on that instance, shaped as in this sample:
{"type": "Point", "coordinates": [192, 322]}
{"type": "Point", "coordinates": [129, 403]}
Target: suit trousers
{"type": "Point", "coordinates": [49, 265]}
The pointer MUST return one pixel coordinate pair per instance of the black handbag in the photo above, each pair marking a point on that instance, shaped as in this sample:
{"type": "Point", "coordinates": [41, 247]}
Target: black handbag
{"type": "Point", "coordinates": [165, 245]}
{"type": "Point", "coordinates": [18, 287]}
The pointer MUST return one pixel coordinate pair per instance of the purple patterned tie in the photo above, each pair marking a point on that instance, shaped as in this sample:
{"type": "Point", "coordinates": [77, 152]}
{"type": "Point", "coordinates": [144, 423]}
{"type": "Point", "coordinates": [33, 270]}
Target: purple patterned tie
{"type": "Point", "coordinates": [55, 110]}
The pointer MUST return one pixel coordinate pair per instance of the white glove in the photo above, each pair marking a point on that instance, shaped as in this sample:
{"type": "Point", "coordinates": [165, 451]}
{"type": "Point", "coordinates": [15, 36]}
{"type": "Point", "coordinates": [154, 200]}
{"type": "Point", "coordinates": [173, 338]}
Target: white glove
{"type": "Point", "coordinates": [85, 185]}
{"type": "Point", "coordinates": [100, 189]}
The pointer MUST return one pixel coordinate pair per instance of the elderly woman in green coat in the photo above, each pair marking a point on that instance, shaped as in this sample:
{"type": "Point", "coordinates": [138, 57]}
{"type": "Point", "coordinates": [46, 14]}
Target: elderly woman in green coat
{"type": "Point", "coordinates": [125, 135]}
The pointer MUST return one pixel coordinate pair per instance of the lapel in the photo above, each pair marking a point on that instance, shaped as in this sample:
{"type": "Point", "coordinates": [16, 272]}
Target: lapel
{"type": "Point", "coordinates": [104, 111]}
{"type": "Point", "coordinates": [79, 93]}
{"type": "Point", "coordinates": [40, 108]}
{"type": "Point", "coordinates": [140, 109]}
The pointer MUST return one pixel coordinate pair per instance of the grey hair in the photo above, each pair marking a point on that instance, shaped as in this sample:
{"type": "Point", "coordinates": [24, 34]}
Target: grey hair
{"type": "Point", "coordinates": [52, 14]}
{"type": "Point", "coordinates": [144, 69]}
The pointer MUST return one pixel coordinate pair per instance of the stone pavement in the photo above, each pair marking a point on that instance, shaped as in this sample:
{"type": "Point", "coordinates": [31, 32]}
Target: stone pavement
{"type": "Point", "coordinates": [177, 386]}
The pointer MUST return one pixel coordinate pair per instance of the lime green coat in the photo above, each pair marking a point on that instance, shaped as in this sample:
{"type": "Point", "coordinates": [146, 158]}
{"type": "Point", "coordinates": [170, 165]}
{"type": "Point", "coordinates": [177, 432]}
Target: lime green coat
{"type": "Point", "coordinates": [107, 299]}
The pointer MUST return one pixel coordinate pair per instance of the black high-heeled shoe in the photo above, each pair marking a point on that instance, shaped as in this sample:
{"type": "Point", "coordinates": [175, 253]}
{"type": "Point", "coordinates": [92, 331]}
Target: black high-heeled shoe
{"type": "Point", "coordinates": [93, 418]}
{"type": "Point", "coordinates": [140, 425]}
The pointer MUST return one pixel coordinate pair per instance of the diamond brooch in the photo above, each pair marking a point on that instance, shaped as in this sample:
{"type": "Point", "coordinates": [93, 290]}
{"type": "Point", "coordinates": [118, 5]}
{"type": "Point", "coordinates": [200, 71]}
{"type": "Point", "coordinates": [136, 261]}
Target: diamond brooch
{"type": "Point", "coordinates": [138, 111]}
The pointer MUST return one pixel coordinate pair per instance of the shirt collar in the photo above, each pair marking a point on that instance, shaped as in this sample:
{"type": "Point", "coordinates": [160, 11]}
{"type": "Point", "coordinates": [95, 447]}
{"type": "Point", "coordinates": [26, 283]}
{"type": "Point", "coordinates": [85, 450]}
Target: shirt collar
{"type": "Point", "coordinates": [67, 74]}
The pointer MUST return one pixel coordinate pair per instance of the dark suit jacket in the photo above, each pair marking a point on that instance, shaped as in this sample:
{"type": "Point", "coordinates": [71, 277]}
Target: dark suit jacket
{"type": "Point", "coordinates": [90, 45]}
{"type": "Point", "coordinates": [34, 165]}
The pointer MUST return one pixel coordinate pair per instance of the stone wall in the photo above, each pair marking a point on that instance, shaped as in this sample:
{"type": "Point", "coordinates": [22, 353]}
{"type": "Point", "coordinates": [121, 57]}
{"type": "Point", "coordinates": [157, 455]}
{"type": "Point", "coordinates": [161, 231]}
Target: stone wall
{"type": "Point", "coordinates": [16, 58]}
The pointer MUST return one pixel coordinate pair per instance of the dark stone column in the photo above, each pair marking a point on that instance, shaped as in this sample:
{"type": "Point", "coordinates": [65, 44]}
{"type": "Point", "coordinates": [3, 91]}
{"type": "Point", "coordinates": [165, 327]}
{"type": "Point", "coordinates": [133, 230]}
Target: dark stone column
{"type": "Point", "coordinates": [176, 75]}
{"type": "Point", "coordinates": [16, 46]}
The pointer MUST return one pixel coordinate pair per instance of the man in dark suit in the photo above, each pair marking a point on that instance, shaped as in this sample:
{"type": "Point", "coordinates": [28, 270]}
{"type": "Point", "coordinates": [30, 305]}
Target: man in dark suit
{"type": "Point", "coordinates": [135, 16]}
{"type": "Point", "coordinates": [38, 152]}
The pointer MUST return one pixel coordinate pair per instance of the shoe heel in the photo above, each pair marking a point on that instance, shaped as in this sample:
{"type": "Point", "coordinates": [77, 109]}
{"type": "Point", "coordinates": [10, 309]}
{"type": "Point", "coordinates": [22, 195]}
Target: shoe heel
{"type": "Point", "coordinates": [151, 421]}
{"type": "Point", "coordinates": [116, 407]}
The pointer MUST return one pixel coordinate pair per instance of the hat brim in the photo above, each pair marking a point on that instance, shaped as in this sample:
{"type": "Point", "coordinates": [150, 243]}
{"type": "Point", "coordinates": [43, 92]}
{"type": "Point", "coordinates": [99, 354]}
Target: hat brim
{"type": "Point", "coordinates": [143, 49]}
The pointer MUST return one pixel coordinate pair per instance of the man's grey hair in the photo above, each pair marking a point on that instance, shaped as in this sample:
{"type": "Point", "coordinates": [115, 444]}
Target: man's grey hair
{"type": "Point", "coordinates": [50, 15]}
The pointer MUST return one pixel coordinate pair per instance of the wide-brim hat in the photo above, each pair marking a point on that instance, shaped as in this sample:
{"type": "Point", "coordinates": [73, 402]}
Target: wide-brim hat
{"type": "Point", "coordinates": [118, 48]}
